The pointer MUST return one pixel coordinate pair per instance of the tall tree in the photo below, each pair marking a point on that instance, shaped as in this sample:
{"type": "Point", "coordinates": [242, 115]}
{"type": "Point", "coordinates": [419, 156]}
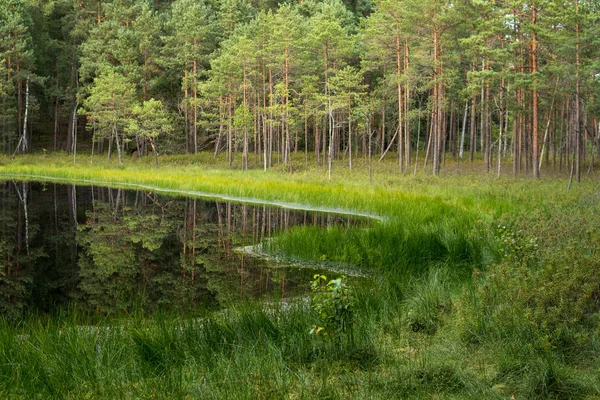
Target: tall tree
{"type": "Point", "coordinates": [330, 43]}
{"type": "Point", "coordinates": [16, 52]}
{"type": "Point", "coordinates": [150, 120]}
{"type": "Point", "coordinates": [348, 90]}
{"type": "Point", "coordinates": [109, 107]}
{"type": "Point", "coordinates": [187, 48]}
{"type": "Point", "coordinates": [386, 34]}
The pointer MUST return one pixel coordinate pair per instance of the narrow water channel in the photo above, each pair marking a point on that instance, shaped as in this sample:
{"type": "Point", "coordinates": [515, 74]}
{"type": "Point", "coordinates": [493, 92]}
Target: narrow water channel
{"type": "Point", "coordinates": [110, 250]}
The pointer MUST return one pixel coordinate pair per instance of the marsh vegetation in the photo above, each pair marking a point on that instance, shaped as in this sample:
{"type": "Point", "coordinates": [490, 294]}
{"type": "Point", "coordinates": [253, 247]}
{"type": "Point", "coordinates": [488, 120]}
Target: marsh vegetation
{"type": "Point", "coordinates": [219, 156]}
{"type": "Point", "coordinates": [477, 288]}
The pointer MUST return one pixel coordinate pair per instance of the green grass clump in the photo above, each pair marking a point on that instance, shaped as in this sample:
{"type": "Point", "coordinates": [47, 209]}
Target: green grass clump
{"type": "Point", "coordinates": [481, 288]}
{"type": "Point", "coordinates": [244, 352]}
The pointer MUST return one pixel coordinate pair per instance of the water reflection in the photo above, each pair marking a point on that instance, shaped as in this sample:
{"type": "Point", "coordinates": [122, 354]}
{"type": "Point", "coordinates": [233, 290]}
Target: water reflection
{"type": "Point", "coordinates": [111, 250]}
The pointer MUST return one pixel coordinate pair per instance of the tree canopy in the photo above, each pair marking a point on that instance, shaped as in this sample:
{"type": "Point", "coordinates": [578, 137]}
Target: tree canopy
{"type": "Point", "coordinates": [516, 79]}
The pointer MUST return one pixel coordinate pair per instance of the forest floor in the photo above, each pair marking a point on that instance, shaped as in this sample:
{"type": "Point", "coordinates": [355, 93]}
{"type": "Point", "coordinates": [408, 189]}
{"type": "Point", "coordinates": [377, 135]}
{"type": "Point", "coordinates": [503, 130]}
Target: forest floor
{"type": "Point", "coordinates": [486, 287]}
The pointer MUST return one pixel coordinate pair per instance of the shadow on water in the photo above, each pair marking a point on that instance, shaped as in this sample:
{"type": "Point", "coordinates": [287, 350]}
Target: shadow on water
{"type": "Point", "coordinates": [112, 250]}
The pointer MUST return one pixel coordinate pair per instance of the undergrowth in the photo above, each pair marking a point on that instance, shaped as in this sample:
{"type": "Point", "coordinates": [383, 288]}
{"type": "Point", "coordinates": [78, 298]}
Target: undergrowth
{"type": "Point", "coordinates": [480, 289]}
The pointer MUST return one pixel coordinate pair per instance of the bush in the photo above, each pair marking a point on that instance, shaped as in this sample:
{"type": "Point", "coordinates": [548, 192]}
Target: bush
{"type": "Point", "coordinates": [333, 302]}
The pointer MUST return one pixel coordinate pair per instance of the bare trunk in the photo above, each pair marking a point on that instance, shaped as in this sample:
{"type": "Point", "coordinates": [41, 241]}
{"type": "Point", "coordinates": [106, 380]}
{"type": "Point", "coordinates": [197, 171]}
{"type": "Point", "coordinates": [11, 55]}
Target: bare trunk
{"type": "Point", "coordinates": [399, 72]}
{"type": "Point", "coordinates": [116, 135]}
{"type": "Point", "coordinates": [185, 108]}
{"type": "Point", "coordinates": [270, 117]}
{"type": "Point", "coordinates": [349, 132]}
{"type": "Point", "coordinates": [462, 135]}
{"type": "Point", "coordinates": [264, 126]}
{"type": "Point", "coordinates": [577, 101]}
{"type": "Point", "coordinates": [154, 152]}
{"type": "Point", "coordinates": [488, 128]}
{"type": "Point", "coordinates": [417, 149]}
{"type": "Point", "coordinates": [195, 91]}
{"type": "Point", "coordinates": [55, 123]}
{"type": "Point", "coordinates": [23, 141]}
{"type": "Point", "coordinates": [221, 117]}
{"type": "Point", "coordinates": [534, 65]}
{"type": "Point", "coordinates": [436, 118]}
{"type": "Point", "coordinates": [501, 119]}
{"type": "Point", "coordinates": [473, 131]}
{"type": "Point", "coordinates": [229, 132]}
{"type": "Point", "coordinates": [406, 109]}
{"type": "Point", "coordinates": [330, 117]}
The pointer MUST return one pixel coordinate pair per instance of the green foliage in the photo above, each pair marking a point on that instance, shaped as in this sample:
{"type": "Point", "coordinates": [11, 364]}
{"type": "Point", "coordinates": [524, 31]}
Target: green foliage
{"type": "Point", "coordinates": [516, 247]}
{"type": "Point", "coordinates": [243, 120]}
{"type": "Point", "coordinates": [333, 302]}
{"type": "Point", "coordinates": [109, 104]}
{"type": "Point", "coordinates": [528, 329]}
{"type": "Point", "coordinates": [538, 308]}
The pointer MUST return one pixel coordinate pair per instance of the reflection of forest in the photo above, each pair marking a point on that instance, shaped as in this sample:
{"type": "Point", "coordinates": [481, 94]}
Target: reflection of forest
{"type": "Point", "coordinates": [114, 250]}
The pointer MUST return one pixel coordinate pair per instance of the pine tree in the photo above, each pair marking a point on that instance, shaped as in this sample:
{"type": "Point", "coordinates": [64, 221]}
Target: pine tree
{"type": "Point", "coordinates": [16, 52]}
{"type": "Point", "coordinates": [109, 107]}
{"type": "Point", "coordinates": [150, 120]}
{"type": "Point", "coordinates": [330, 44]}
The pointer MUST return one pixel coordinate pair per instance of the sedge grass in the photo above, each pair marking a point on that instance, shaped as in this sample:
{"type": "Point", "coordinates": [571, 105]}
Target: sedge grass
{"type": "Point", "coordinates": [423, 328]}
{"type": "Point", "coordinates": [386, 195]}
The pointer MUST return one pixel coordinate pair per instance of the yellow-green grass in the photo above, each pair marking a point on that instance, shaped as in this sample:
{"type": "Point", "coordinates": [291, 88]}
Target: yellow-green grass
{"type": "Point", "coordinates": [526, 325]}
{"type": "Point", "coordinates": [467, 187]}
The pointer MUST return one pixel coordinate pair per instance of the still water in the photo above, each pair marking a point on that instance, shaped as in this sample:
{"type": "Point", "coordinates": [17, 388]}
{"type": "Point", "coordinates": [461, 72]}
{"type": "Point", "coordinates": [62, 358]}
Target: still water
{"type": "Point", "coordinates": [110, 250]}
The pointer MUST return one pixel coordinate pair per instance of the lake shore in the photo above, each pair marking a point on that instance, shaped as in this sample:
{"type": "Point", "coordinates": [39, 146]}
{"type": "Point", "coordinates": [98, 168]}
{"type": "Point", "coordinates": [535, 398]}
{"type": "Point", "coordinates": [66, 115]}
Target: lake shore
{"type": "Point", "coordinates": [489, 289]}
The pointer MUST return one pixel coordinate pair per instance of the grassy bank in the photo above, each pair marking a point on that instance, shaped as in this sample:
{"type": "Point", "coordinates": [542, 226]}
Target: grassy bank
{"type": "Point", "coordinates": [386, 194]}
{"type": "Point", "coordinates": [486, 288]}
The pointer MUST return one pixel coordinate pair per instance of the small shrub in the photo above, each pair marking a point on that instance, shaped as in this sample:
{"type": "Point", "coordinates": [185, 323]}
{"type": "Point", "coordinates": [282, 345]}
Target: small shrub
{"type": "Point", "coordinates": [333, 303]}
{"type": "Point", "coordinates": [515, 246]}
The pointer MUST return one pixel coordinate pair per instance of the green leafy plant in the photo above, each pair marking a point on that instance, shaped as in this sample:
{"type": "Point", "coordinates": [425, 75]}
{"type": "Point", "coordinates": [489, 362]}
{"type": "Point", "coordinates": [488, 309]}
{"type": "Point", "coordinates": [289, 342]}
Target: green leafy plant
{"type": "Point", "coordinates": [516, 246]}
{"type": "Point", "coordinates": [333, 302]}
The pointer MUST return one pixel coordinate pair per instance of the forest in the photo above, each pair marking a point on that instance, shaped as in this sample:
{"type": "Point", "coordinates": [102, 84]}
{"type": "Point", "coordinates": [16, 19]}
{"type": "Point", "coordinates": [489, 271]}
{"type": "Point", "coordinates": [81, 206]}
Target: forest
{"type": "Point", "coordinates": [424, 81]}
{"type": "Point", "coordinates": [298, 199]}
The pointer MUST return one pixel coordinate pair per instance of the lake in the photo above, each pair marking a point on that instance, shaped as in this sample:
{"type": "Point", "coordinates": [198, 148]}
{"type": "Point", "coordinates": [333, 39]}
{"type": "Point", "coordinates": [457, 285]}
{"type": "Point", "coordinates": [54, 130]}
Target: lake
{"type": "Point", "coordinates": [109, 250]}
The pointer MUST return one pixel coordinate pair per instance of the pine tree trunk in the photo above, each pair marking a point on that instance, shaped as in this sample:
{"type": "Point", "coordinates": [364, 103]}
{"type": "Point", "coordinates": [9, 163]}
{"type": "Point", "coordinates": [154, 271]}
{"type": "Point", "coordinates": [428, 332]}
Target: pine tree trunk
{"type": "Point", "coordinates": [534, 66]}
{"type": "Point", "coordinates": [154, 152]}
{"type": "Point", "coordinates": [264, 125]}
{"type": "Point", "coordinates": [229, 132]}
{"type": "Point", "coordinates": [270, 117]}
{"type": "Point", "coordinates": [488, 127]}
{"type": "Point", "coordinates": [221, 117]}
{"type": "Point", "coordinates": [436, 119]}
{"type": "Point", "coordinates": [24, 137]}
{"type": "Point", "coordinates": [116, 135]}
{"type": "Point", "coordinates": [406, 109]}
{"type": "Point", "coordinates": [55, 141]}
{"type": "Point", "coordinates": [473, 131]}
{"type": "Point", "coordinates": [462, 134]}
{"type": "Point", "coordinates": [195, 91]}
{"type": "Point", "coordinates": [74, 133]}
{"type": "Point", "coordinates": [349, 132]}
{"type": "Point", "coordinates": [400, 103]}
{"type": "Point", "coordinates": [330, 116]}
{"type": "Point", "coordinates": [577, 100]}
{"type": "Point", "coordinates": [185, 109]}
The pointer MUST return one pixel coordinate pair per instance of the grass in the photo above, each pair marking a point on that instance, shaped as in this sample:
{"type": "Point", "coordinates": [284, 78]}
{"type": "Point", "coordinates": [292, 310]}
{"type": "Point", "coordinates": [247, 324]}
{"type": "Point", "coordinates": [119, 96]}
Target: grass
{"type": "Point", "coordinates": [458, 309]}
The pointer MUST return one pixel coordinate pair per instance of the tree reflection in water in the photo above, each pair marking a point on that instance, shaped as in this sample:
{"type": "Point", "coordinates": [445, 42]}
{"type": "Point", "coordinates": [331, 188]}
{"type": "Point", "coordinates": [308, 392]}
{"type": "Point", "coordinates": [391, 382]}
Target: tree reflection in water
{"type": "Point", "coordinates": [112, 250]}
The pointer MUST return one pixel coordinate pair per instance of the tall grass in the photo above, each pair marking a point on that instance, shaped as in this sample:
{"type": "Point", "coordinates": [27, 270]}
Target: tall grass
{"type": "Point", "coordinates": [450, 312]}
{"type": "Point", "coordinates": [388, 194]}
{"type": "Point", "coordinates": [242, 353]}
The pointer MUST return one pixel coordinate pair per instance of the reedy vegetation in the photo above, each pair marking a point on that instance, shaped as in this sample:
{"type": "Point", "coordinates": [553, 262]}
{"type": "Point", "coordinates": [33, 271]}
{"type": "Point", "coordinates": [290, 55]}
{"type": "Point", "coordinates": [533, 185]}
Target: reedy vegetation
{"type": "Point", "coordinates": [525, 323]}
{"type": "Point", "coordinates": [518, 78]}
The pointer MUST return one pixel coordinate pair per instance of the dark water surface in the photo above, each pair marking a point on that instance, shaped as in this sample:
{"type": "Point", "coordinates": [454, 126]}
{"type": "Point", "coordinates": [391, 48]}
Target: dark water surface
{"type": "Point", "coordinates": [114, 250]}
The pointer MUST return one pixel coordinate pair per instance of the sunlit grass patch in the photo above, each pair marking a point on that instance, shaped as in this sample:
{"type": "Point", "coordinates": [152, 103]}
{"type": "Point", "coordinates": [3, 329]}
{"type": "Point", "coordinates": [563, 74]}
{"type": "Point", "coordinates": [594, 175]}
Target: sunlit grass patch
{"type": "Point", "coordinates": [449, 313]}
